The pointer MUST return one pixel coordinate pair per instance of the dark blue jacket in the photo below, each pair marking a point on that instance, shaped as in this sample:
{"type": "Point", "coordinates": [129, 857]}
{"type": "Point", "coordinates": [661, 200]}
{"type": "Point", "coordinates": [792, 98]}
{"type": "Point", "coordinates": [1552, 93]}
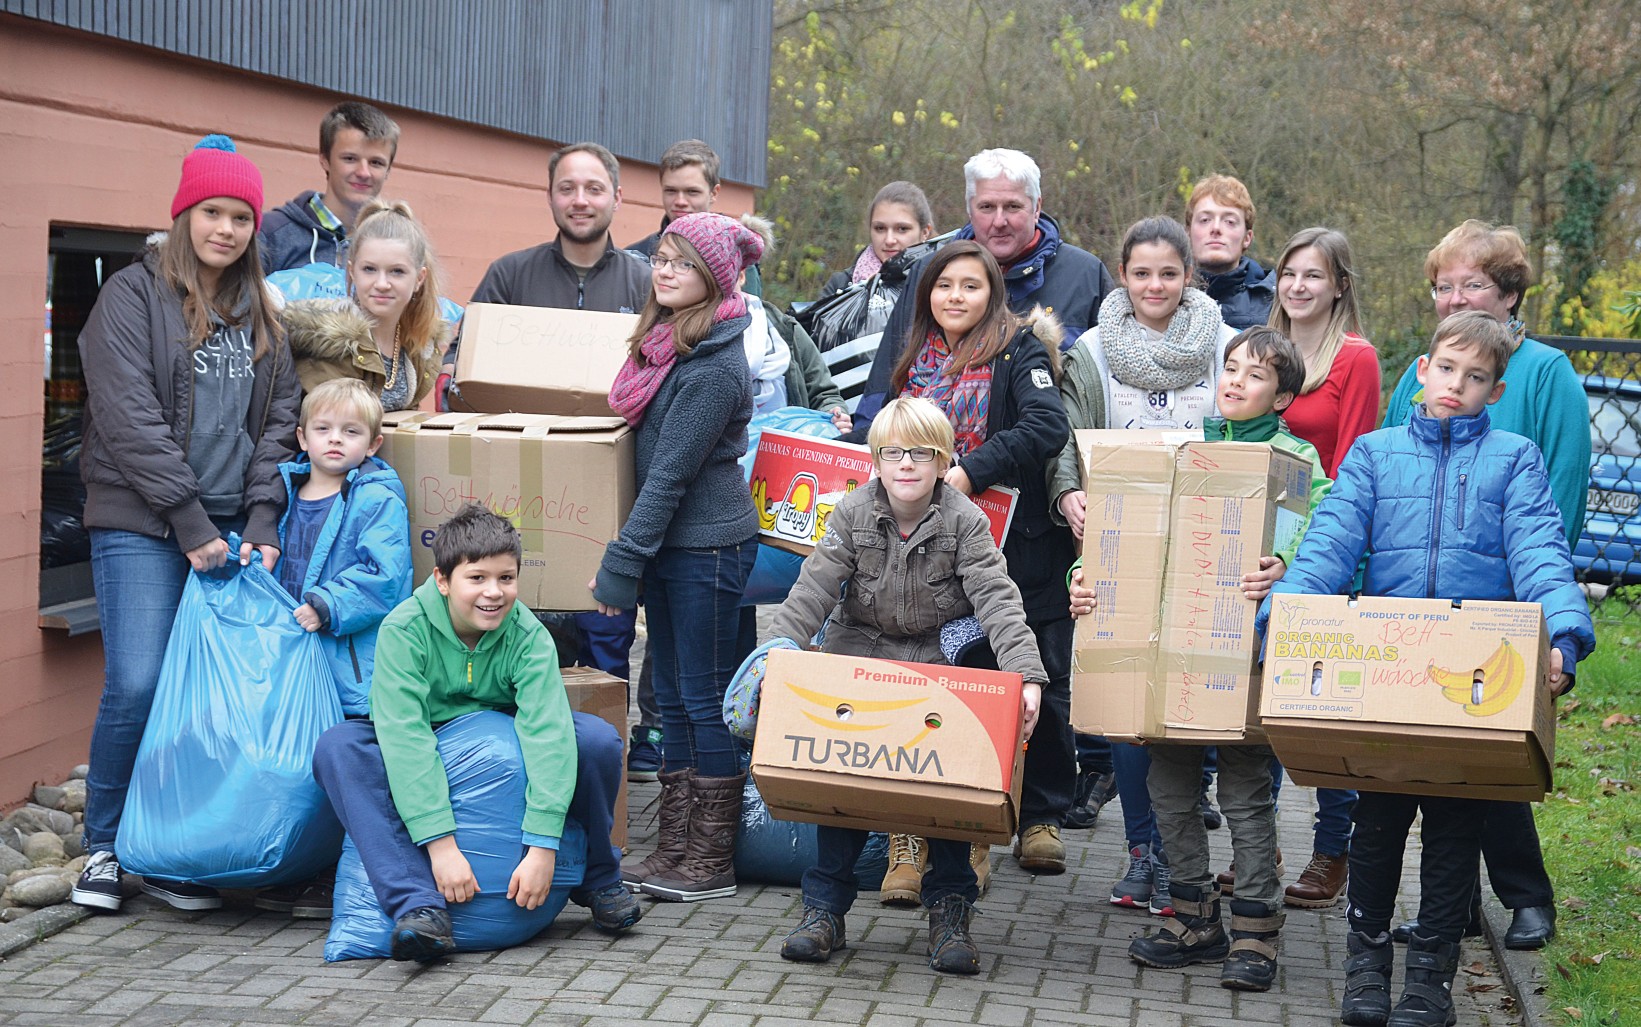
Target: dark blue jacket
{"type": "Point", "coordinates": [1445, 509]}
{"type": "Point", "coordinates": [292, 237]}
{"type": "Point", "coordinates": [360, 569]}
{"type": "Point", "coordinates": [1244, 294]}
{"type": "Point", "coordinates": [1064, 280]}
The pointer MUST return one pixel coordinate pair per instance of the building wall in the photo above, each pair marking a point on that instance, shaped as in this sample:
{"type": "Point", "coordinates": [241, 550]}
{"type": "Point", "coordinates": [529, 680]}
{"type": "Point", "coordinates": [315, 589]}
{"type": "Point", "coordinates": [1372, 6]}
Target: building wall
{"type": "Point", "coordinates": [93, 132]}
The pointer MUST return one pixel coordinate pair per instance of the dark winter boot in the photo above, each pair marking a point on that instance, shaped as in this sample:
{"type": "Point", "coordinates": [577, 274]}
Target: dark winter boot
{"type": "Point", "coordinates": [817, 936]}
{"type": "Point", "coordinates": [1427, 990]}
{"type": "Point", "coordinates": [1194, 935]}
{"type": "Point", "coordinates": [707, 870]}
{"type": "Point", "coordinates": [674, 830]}
{"type": "Point", "coordinates": [951, 950]}
{"type": "Point", "coordinates": [1367, 980]}
{"type": "Point", "coordinates": [1251, 964]}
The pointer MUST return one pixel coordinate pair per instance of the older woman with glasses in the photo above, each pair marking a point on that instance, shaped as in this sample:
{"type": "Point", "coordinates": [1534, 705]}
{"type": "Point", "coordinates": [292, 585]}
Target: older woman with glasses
{"type": "Point", "coordinates": [1482, 267]}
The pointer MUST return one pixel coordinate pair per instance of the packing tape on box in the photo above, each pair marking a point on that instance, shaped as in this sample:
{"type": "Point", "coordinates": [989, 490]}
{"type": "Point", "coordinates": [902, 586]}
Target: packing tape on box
{"type": "Point", "coordinates": [1204, 662]}
{"type": "Point", "coordinates": [1113, 658]}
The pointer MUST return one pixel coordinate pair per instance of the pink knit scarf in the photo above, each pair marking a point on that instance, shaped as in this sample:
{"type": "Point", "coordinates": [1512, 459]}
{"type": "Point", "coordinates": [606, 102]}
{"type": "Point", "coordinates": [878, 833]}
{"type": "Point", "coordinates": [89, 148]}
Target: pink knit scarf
{"type": "Point", "coordinates": [635, 386]}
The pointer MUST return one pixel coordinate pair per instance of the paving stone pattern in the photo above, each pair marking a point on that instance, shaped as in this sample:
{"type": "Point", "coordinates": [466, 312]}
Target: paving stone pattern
{"type": "Point", "coordinates": [1053, 952]}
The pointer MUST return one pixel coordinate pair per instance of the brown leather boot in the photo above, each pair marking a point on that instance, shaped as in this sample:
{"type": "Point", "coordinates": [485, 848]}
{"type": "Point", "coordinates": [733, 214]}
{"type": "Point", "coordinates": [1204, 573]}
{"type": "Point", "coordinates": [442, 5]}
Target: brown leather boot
{"type": "Point", "coordinates": [903, 881]}
{"type": "Point", "coordinates": [674, 830]}
{"type": "Point", "coordinates": [1226, 879]}
{"type": "Point", "coordinates": [1321, 883]}
{"type": "Point", "coordinates": [707, 870]}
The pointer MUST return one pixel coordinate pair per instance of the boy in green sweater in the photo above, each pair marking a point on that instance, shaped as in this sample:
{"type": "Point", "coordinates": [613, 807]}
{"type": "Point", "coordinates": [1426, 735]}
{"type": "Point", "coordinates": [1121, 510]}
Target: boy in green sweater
{"type": "Point", "coordinates": [1263, 372]}
{"type": "Point", "coordinates": [460, 644]}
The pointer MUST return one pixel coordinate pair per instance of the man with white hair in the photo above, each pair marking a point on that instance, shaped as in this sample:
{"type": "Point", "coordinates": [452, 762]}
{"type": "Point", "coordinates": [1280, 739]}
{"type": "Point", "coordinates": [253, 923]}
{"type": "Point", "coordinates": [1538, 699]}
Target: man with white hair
{"type": "Point", "coordinates": [1003, 189]}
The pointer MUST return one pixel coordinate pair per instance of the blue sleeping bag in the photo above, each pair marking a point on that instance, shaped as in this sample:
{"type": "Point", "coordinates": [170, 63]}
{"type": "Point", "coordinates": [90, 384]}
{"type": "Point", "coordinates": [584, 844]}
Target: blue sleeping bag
{"type": "Point", "coordinates": [222, 792]}
{"type": "Point", "coordinates": [486, 769]}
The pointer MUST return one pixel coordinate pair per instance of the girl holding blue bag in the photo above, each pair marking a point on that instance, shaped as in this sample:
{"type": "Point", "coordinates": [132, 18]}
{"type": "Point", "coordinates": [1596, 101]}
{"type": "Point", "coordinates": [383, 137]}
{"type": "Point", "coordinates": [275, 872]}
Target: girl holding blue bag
{"type": "Point", "coordinates": [191, 406]}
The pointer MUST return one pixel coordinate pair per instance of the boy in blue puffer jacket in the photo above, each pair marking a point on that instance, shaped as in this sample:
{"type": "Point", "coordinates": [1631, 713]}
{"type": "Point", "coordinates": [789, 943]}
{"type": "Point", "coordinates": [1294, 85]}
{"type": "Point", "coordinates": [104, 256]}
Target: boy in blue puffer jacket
{"type": "Point", "coordinates": [1444, 508]}
{"type": "Point", "coordinates": [344, 546]}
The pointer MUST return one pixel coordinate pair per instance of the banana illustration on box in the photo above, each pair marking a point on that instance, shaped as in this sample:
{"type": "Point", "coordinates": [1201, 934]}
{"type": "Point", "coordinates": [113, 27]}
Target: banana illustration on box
{"type": "Point", "coordinates": [1488, 689]}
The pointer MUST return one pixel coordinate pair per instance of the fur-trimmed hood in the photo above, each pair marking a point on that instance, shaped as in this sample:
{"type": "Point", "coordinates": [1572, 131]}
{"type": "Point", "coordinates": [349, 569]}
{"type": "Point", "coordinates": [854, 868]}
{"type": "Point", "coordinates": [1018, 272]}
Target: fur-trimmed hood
{"type": "Point", "coordinates": [332, 338]}
{"type": "Point", "coordinates": [1046, 328]}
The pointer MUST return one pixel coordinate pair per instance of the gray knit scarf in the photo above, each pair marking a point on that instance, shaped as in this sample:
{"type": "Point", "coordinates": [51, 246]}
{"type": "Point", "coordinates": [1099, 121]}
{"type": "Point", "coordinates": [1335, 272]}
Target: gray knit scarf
{"type": "Point", "coordinates": [1183, 357]}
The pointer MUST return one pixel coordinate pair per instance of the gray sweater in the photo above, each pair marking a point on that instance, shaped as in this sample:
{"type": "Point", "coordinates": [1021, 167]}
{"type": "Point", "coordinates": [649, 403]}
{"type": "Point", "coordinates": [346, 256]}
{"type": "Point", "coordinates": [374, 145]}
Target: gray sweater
{"type": "Point", "coordinates": [691, 491]}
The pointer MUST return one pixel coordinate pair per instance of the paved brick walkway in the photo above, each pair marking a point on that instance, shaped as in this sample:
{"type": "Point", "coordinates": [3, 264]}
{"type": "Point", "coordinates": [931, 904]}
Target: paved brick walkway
{"type": "Point", "coordinates": [1053, 952]}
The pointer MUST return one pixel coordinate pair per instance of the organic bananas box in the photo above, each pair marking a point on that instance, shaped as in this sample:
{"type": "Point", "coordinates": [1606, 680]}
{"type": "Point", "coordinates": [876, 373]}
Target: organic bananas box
{"type": "Point", "coordinates": [798, 479]}
{"type": "Point", "coordinates": [1411, 695]}
{"type": "Point", "coordinates": [883, 745]}
{"type": "Point", "coordinates": [1172, 524]}
{"type": "Point", "coordinates": [566, 483]}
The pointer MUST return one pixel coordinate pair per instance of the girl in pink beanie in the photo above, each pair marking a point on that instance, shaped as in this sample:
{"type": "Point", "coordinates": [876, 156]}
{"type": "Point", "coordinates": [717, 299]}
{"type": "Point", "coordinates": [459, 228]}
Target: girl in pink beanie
{"type": "Point", "coordinates": [690, 540]}
{"type": "Point", "coordinates": [191, 406]}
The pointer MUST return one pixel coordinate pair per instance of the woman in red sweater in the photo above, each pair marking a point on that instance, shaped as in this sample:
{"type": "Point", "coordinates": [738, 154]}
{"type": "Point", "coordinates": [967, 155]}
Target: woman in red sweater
{"type": "Point", "coordinates": [1316, 308]}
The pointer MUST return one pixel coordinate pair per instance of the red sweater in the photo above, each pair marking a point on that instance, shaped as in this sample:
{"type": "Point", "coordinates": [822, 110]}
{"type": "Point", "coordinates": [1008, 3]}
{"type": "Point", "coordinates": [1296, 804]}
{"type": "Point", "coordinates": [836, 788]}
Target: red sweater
{"type": "Point", "coordinates": [1345, 406]}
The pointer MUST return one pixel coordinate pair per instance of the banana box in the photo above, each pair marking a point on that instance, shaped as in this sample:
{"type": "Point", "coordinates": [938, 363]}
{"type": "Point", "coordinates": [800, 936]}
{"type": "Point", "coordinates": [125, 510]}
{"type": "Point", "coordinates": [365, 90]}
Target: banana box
{"type": "Point", "coordinates": [798, 479]}
{"type": "Point", "coordinates": [1421, 696]}
{"type": "Point", "coordinates": [883, 745]}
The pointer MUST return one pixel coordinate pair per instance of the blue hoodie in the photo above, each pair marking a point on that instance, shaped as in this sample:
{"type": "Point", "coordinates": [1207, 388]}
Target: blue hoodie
{"type": "Point", "coordinates": [1445, 509]}
{"type": "Point", "coordinates": [360, 569]}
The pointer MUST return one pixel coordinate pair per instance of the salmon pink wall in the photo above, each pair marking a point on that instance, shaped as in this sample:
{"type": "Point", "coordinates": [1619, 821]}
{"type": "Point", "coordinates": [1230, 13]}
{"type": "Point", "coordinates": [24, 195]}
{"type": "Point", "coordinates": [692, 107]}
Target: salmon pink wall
{"type": "Point", "coordinates": [93, 132]}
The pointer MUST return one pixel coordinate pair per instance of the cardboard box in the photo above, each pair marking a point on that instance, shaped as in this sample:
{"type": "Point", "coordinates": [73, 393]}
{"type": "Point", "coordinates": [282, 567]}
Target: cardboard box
{"type": "Point", "coordinates": [604, 696]}
{"type": "Point", "coordinates": [798, 479]}
{"type": "Point", "coordinates": [888, 746]}
{"type": "Point", "coordinates": [539, 360]}
{"type": "Point", "coordinates": [1173, 524]}
{"type": "Point", "coordinates": [565, 482]}
{"type": "Point", "coordinates": [1411, 695]}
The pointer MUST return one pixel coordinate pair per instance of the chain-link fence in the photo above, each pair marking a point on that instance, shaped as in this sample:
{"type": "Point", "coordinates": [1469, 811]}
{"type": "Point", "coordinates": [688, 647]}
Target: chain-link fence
{"type": "Point", "coordinates": [1608, 552]}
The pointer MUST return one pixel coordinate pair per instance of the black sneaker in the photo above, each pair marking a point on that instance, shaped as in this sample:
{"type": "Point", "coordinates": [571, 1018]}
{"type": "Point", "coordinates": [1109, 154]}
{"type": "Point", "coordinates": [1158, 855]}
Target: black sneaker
{"type": "Point", "coordinates": [99, 883]}
{"type": "Point", "coordinates": [1093, 792]}
{"type": "Point", "coordinates": [615, 909]}
{"type": "Point", "coordinates": [315, 902]}
{"type": "Point", "coordinates": [1212, 819]}
{"type": "Point", "coordinates": [182, 894]}
{"type": "Point", "coordinates": [281, 898]}
{"type": "Point", "coordinates": [423, 935]}
{"type": "Point", "coordinates": [644, 754]}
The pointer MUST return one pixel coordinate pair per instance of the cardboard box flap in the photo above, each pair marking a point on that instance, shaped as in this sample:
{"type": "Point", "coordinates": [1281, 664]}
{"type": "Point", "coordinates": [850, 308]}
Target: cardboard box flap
{"type": "Point", "coordinates": [423, 421]}
{"type": "Point", "coordinates": [537, 426]}
{"type": "Point", "coordinates": [1237, 470]}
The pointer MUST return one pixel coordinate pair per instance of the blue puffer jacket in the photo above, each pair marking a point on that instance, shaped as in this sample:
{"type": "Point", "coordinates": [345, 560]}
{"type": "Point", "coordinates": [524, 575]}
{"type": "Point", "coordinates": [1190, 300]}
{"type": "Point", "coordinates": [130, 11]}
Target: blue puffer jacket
{"type": "Point", "coordinates": [359, 570]}
{"type": "Point", "coordinates": [1445, 509]}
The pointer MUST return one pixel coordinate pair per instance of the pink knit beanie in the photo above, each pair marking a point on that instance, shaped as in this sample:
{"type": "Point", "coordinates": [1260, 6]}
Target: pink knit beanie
{"type": "Point", "coordinates": [213, 168]}
{"type": "Point", "coordinates": [725, 244]}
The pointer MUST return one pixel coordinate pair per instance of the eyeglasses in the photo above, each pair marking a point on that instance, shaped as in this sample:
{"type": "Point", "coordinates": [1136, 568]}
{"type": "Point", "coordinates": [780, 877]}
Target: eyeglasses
{"type": "Point", "coordinates": [1442, 292]}
{"type": "Point", "coordinates": [678, 264]}
{"type": "Point", "coordinates": [895, 454]}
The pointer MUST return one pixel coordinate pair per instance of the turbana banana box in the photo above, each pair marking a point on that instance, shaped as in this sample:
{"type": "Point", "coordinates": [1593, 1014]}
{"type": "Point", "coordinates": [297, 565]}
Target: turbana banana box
{"type": "Point", "coordinates": [883, 745]}
{"type": "Point", "coordinates": [1411, 695]}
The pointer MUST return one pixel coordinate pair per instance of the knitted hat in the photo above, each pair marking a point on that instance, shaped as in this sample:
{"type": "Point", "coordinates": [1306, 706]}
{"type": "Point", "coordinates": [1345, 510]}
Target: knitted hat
{"type": "Point", "coordinates": [724, 243]}
{"type": "Point", "coordinates": [213, 168]}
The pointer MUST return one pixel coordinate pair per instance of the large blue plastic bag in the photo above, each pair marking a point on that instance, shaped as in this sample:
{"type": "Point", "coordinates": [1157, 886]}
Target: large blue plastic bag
{"type": "Point", "coordinates": [779, 851]}
{"type": "Point", "coordinates": [798, 420]}
{"type": "Point", "coordinates": [485, 766]}
{"type": "Point", "coordinates": [223, 791]}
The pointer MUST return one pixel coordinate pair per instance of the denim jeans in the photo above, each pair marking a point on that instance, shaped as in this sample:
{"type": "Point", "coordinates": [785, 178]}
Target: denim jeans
{"type": "Point", "coordinates": [1093, 754]}
{"type": "Point", "coordinates": [694, 601]}
{"type": "Point", "coordinates": [139, 581]}
{"type": "Point", "coordinates": [1133, 765]}
{"type": "Point", "coordinates": [831, 885]}
{"type": "Point", "coordinates": [1333, 809]}
{"type": "Point", "coordinates": [1451, 832]}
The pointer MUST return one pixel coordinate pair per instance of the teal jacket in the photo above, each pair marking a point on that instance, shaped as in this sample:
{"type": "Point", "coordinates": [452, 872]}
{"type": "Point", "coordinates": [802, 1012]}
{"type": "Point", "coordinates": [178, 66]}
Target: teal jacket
{"type": "Point", "coordinates": [1269, 428]}
{"type": "Point", "coordinates": [1544, 401]}
{"type": "Point", "coordinates": [425, 675]}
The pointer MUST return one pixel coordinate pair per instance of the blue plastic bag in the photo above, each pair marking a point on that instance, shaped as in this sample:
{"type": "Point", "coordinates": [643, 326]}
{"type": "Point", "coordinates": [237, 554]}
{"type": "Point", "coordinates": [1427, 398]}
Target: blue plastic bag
{"type": "Point", "coordinates": [485, 766]}
{"type": "Point", "coordinates": [779, 851]}
{"type": "Point", "coordinates": [222, 792]}
{"type": "Point", "coordinates": [328, 282]}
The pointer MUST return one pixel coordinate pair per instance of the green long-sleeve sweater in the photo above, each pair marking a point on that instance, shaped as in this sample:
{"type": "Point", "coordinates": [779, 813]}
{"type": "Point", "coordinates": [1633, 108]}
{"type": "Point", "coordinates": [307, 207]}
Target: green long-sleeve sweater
{"type": "Point", "coordinates": [425, 675]}
{"type": "Point", "coordinates": [1269, 428]}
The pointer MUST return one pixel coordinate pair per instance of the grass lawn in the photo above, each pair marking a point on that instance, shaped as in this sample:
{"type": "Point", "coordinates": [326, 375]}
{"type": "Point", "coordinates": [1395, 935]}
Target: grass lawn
{"type": "Point", "coordinates": [1591, 829]}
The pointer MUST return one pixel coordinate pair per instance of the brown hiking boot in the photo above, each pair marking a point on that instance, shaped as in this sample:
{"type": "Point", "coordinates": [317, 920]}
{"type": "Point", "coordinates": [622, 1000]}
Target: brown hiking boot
{"type": "Point", "coordinates": [707, 870]}
{"type": "Point", "coordinates": [674, 831]}
{"type": "Point", "coordinates": [1040, 850]}
{"type": "Point", "coordinates": [903, 884]}
{"type": "Point", "coordinates": [1321, 883]}
{"type": "Point", "coordinates": [980, 860]}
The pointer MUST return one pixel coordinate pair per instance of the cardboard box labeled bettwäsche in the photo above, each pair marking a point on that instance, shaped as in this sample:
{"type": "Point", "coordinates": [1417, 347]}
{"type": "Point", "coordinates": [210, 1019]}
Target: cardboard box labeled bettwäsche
{"type": "Point", "coordinates": [566, 483]}
{"type": "Point", "coordinates": [1169, 653]}
{"type": "Point", "coordinates": [888, 746]}
{"type": "Point", "coordinates": [798, 479]}
{"type": "Point", "coordinates": [1411, 695]}
{"type": "Point", "coordinates": [604, 696]}
{"type": "Point", "coordinates": [539, 360]}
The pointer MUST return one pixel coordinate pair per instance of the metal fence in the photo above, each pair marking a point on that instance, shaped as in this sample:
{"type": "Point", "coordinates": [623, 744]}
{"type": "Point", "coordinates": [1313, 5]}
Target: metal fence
{"type": "Point", "coordinates": [1608, 552]}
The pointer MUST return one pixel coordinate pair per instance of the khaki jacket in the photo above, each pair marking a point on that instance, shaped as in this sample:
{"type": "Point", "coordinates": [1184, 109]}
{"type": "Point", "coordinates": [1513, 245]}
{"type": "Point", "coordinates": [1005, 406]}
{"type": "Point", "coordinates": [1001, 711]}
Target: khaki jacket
{"type": "Point", "coordinates": [896, 593]}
